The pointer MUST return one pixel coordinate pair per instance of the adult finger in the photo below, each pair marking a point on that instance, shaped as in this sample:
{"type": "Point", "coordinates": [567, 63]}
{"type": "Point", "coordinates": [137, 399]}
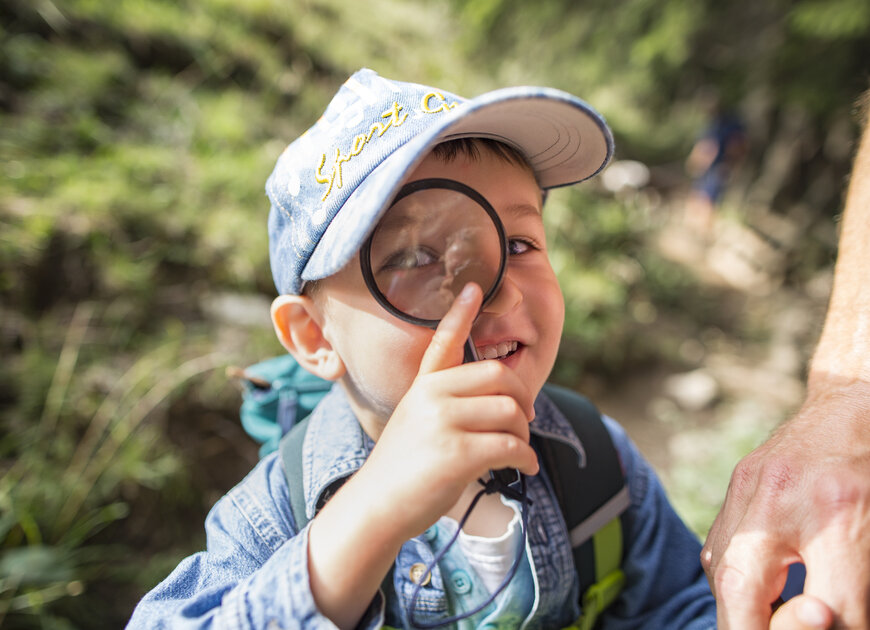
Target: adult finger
{"type": "Point", "coordinates": [803, 612]}
{"type": "Point", "coordinates": [749, 577]}
{"type": "Point", "coordinates": [446, 347]}
{"type": "Point", "coordinates": [836, 549]}
{"type": "Point", "coordinates": [741, 490]}
{"type": "Point", "coordinates": [759, 492]}
{"type": "Point", "coordinates": [841, 582]}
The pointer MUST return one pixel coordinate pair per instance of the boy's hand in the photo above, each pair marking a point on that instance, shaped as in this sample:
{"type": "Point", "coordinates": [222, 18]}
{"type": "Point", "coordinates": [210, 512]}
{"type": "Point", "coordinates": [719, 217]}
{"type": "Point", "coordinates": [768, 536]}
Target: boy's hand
{"type": "Point", "coordinates": [456, 422]}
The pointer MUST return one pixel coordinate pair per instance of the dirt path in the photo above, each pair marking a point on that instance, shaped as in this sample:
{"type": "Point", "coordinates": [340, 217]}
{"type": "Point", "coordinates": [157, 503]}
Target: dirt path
{"type": "Point", "coordinates": [694, 425]}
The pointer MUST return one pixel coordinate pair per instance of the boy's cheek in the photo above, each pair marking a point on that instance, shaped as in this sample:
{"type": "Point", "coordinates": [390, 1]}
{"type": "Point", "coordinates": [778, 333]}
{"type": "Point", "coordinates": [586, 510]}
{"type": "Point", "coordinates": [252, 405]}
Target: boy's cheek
{"type": "Point", "coordinates": [549, 303]}
{"type": "Point", "coordinates": [557, 306]}
{"type": "Point", "coordinates": [383, 367]}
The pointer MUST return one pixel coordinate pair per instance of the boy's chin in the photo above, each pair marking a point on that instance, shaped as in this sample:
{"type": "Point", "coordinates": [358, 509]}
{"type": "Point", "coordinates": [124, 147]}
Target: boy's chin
{"type": "Point", "coordinates": [374, 410]}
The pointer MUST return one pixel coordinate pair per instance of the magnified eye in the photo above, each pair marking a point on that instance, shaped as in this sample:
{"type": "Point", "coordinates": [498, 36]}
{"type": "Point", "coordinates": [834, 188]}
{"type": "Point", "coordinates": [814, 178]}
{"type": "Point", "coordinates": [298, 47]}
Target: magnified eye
{"type": "Point", "coordinates": [411, 258]}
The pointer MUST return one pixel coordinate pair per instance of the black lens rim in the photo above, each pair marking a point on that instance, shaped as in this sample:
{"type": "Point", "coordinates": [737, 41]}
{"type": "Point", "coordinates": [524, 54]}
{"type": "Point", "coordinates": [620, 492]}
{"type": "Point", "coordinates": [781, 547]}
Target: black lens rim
{"type": "Point", "coordinates": [426, 184]}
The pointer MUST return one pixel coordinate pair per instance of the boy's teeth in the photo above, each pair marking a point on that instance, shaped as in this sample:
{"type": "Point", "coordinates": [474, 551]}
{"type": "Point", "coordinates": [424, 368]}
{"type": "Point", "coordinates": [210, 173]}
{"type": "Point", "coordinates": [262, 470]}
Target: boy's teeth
{"type": "Point", "coordinates": [497, 351]}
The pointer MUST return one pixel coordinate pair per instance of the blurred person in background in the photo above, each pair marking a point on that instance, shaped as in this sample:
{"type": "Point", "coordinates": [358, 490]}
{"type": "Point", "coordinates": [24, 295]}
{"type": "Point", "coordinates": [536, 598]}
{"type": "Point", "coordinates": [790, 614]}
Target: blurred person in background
{"type": "Point", "coordinates": [713, 158]}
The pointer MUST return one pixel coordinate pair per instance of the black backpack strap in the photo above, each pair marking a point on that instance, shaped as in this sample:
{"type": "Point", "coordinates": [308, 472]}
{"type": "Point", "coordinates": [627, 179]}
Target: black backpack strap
{"type": "Point", "coordinates": [592, 495]}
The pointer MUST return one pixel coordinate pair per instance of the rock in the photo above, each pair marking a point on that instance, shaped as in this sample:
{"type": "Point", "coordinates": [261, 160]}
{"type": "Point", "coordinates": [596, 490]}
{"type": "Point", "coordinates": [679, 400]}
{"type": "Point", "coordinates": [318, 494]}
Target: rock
{"type": "Point", "coordinates": [625, 175]}
{"type": "Point", "coordinates": [693, 390]}
{"type": "Point", "coordinates": [238, 309]}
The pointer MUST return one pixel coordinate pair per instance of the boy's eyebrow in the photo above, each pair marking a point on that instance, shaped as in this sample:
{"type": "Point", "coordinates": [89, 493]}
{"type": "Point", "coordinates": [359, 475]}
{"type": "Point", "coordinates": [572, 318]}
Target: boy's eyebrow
{"type": "Point", "coordinates": [521, 210]}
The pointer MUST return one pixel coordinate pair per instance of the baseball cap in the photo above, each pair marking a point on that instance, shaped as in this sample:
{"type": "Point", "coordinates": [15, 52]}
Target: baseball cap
{"type": "Point", "coordinates": [330, 187]}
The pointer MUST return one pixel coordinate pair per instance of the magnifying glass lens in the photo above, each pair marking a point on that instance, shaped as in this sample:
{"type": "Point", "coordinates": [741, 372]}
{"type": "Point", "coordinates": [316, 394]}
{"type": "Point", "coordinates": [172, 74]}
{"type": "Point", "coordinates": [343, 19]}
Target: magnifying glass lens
{"type": "Point", "coordinates": [428, 246]}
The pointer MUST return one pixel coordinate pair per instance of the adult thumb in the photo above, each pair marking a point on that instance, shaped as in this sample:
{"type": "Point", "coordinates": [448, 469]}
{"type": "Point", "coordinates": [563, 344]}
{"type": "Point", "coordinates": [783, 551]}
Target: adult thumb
{"type": "Point", "coordinates": [446, 348]}
{"type": "Point", "coordinates": [803, 612]}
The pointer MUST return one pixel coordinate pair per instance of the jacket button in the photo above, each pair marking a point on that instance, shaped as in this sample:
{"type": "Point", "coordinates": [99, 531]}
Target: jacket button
{"type": "Point", "coordinates": [460, 581]}
{"type": "Point", "coordinates": [418, 574]}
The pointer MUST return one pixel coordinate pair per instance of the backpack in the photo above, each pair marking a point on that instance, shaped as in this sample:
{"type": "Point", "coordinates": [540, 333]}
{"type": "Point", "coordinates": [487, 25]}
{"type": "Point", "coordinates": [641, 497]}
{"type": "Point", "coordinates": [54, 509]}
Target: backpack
{"type": "Point", "coordinates": [278, 396]}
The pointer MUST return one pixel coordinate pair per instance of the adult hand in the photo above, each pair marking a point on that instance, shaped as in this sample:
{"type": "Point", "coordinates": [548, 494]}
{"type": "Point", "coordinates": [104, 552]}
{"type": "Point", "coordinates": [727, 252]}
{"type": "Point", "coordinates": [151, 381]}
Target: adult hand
{"type": "Point", "coordinates": [804, 495]}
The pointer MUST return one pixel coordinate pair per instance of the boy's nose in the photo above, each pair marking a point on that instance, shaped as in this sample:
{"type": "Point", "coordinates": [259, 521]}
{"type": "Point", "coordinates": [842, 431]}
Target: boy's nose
{"type": "Point", "coordinates": [506, 299]}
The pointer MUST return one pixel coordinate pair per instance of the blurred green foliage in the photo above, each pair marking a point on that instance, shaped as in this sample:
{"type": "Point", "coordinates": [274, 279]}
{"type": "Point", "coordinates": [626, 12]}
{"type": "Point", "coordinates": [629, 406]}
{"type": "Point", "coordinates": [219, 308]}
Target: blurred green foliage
{"type": "Point", "coordinates": [135, 139]}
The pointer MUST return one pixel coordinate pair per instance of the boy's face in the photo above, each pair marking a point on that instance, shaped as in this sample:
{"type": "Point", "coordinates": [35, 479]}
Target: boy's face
{"type": "Point", "coordinates": [382, 353]}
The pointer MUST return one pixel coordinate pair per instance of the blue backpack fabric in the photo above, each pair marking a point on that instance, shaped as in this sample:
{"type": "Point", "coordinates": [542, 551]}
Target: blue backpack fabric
{"type": "Point", "coordinates": [277, 394]}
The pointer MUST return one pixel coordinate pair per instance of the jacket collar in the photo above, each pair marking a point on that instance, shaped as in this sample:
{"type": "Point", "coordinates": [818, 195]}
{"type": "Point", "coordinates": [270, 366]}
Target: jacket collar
{"type": "Point", "coordinates": [551, 423]}
{"type": "Point", "coordinates": [336, 446]}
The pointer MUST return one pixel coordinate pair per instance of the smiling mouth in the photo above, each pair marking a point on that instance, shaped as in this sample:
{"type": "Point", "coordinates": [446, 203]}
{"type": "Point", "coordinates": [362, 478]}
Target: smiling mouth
{"type": "Point", "coordinates": [498, 351]}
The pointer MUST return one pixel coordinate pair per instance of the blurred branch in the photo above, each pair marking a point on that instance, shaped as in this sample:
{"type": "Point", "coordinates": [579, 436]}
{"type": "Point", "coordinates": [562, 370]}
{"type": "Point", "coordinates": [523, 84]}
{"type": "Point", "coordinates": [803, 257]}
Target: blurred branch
{"type": "Point", "coordinates": [78, 326]}
{"type": "Point", "coordinates": [145, 366]}
{"type": "Point", "coordinates": [60, 381]}
{"type": "Point", "coordinates": [125, 426]}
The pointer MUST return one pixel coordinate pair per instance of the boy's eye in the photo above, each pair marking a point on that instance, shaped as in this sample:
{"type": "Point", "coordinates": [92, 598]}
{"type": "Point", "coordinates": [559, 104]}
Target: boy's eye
{"type": "Point", "coordinates": [518, 246]}
{"type": "Point", "coordinates": [410, 258]}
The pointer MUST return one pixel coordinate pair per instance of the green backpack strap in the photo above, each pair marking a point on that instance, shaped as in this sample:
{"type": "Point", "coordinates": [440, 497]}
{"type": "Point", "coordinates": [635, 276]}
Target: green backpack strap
{"type": "Point", "coordinates": [592, 497]}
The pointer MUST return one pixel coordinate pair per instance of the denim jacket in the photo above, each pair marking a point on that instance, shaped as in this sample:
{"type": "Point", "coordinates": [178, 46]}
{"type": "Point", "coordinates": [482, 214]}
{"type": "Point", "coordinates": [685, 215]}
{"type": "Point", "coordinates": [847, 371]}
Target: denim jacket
{"type": "Point", "coordinates": [254, 572]}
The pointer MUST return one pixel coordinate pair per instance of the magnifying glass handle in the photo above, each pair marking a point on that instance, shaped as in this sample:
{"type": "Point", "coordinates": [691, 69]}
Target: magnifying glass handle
{"type": "Point", "coordinates": [506, 476]}
{"type": "Point", "coordinates": [470, 354]}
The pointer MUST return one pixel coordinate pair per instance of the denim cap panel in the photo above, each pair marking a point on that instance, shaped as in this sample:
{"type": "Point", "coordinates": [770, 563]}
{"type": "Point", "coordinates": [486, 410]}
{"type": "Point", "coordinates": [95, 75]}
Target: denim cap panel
{"type": "Point", "coordinates": [330, 186]}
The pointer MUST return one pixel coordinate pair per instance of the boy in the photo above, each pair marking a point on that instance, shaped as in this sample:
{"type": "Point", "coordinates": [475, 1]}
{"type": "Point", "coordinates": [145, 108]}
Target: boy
{"type": "Point", "coordinates": [409, 428]}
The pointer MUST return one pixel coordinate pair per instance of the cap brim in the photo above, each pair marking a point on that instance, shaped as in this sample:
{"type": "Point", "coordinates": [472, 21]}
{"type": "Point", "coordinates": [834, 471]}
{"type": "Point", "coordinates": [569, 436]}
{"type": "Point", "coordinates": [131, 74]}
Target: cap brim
{"type": "Point", "coordinates": [563, 138]}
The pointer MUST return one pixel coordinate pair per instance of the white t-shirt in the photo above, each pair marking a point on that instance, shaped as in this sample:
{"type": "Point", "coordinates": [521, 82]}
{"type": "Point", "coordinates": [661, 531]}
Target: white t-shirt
{"type": "Point", "coordinates": [491, 558]}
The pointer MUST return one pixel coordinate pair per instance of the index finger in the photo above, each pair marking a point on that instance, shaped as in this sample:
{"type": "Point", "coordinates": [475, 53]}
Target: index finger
{"type": "Point", "coordinates": [446, 348]}
{"type": "Point", "coordinates": [741, 491]}
{"type": "Point", "coordinates": [748, 579]}
{"type": "Point", "coordinates": [838, 569]}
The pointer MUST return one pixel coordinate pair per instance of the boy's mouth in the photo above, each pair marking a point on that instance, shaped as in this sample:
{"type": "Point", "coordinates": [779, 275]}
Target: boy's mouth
{"type": "Point", "coordinates": [498, 351]}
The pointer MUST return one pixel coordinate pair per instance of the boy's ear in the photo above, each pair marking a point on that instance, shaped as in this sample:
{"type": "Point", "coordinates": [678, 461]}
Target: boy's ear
{"type": "Point", "coordinates": [298, 324]}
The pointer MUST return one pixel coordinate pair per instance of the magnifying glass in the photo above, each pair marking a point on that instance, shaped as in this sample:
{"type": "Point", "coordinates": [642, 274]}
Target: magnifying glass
{"type": "Point", "coordinates": [438, 236]}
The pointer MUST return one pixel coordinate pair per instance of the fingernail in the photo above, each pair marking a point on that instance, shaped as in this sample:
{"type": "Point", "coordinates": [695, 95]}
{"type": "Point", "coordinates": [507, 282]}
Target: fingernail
{"type": "Point", "coordinates": [467, 293]}
{"type": "Point", "coordinates": [813, 614]}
